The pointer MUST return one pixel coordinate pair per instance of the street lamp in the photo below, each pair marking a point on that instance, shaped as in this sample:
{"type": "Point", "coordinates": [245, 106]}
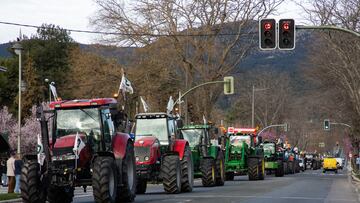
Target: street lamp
{"type": "Point", "coordinates": [18, 49]}
{"type": "Point", "coordinates": [253, 104]}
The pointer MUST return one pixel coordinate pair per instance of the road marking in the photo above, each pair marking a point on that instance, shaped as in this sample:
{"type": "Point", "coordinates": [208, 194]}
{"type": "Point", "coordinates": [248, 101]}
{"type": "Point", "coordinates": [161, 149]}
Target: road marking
{"type": "Point", "coordinates": [263, 197]}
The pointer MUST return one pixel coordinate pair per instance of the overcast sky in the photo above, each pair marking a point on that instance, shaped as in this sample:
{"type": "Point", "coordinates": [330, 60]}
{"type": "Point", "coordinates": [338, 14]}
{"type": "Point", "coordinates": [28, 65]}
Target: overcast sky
{"type": "Point", "coordinates": [73, 14]}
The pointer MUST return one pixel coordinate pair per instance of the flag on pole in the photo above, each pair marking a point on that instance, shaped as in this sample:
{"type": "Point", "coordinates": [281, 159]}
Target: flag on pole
{"type": "Point", "coordinates": [40, 151]}
{"type": "Point", "coordinates": [78, 145]}
{"type": "Point", "coordinates": [145, 105]}
{"type": "Point", "coordinates": [125, 85]}
{"type": "Point", "coordinates": [53, 90]}
{"type": "Point", "coordinates": [170, 105]}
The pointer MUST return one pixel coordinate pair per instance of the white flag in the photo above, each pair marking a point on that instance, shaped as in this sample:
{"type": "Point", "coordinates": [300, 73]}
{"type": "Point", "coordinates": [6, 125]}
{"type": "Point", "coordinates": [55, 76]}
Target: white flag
{"type": "Point", "coordinates": [204, 120]}
{"type": "Point", "coordinates": [170, 105]}
{"type": "Point", "coordinates": [78, 145]}
{"type": "Point", "coordinates": [40, 151]}
{"type": "Point", "coordinates": [125, 85]}
{"type": "Point", "coordinates": [53, 90]}
{"type": "Point", "coordinates": [145, 105]}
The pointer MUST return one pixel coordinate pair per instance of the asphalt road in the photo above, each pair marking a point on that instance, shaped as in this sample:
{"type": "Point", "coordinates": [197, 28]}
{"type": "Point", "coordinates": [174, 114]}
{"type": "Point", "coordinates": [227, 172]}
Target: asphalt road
{"type": "Point", "coordinates": [305, 187]}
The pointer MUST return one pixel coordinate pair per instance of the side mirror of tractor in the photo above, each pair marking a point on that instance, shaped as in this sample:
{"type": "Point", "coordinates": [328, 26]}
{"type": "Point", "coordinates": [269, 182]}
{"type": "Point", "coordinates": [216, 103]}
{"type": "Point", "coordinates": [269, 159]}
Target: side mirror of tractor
{"type": "Point", "coordinates": [39, 111]}
{"type": "Point", "coordinates": [260, 139]}
{"type": "Point", "coordinates": [216, 131]}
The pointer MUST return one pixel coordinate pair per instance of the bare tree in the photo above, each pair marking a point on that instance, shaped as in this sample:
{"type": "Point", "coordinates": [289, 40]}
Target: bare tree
{"type": "Point", "coordinates": [208, 38]}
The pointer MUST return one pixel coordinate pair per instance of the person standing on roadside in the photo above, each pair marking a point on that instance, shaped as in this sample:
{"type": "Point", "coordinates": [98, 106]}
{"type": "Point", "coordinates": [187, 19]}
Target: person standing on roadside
{"type": "Point", "coordinates": [18, 166]}
{"type": "Point", "coordinates": [11, 172]}
{"type": "Point", "coordinates": [3, 175]}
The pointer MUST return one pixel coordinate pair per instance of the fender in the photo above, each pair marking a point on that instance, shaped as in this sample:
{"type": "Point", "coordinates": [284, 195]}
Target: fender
{"type": "Point", "coordinates": [119, 143]}
{"type": "Point", "coordinates": [179, 147]}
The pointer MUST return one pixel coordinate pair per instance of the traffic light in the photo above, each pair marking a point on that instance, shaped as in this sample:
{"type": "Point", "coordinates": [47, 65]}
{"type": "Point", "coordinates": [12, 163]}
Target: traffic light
{"type": "Point", "coordinates": [229, 85]}
{"type": "Point", "coordinates": [267, 34]}
{"type": "Point", "coordinates": [286, 34]}
{"type": "Point", "coordinates": [326, 124]}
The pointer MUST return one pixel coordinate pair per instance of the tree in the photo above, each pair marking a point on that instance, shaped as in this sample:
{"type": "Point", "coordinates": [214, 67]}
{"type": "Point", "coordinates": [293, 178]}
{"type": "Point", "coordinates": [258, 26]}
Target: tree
{"type": "Point", "coordinates": [207, 39]}
{"type": "Point", "coordinates": [7, 122]}
{"type": "Point", "coordinates": [337, 64]}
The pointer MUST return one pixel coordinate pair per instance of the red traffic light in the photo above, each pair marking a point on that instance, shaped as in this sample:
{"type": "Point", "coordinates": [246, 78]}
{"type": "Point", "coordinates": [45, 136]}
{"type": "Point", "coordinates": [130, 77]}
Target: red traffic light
{"type": "Point", "coordinates": [267, 26]}
{"type": "Point", "coordinates": [286, 26]}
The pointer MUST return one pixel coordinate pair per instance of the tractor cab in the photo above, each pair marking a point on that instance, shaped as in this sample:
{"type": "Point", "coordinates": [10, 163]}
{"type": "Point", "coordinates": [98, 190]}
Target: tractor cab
{"type": "Point", "coordinates": [241, 139]}
{"type": "Point", "coordinates": [269, 149]}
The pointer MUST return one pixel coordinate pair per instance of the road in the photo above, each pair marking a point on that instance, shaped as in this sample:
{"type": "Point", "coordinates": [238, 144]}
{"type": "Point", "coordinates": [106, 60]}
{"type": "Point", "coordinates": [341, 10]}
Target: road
{"type": "Point", "coordinates": [307, 187]}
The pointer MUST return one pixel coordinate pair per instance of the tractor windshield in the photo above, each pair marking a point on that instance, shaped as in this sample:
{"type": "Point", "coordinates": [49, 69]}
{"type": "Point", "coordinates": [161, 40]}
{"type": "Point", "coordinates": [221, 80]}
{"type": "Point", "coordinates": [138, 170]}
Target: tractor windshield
{"type": "Point", "coordinates": [269, 148]}
{"type": "Point", "coordinates": [152, 127]}
{"type": "Point", "coordinates": [193, 136]}
{"type": "Point", "coordinates": [72, 121]}
{"type": "Point", "coordinates": [238, 140]}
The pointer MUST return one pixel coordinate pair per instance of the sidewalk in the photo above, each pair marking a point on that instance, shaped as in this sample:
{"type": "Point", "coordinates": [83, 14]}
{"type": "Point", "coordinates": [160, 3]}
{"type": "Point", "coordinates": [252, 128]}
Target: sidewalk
{"type": "Point", "coordinates": [354, 181]}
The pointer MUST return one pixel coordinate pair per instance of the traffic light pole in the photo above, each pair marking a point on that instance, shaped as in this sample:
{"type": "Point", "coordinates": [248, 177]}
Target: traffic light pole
{"type": "Point", "coordinates": [272, 126]}
{"type": "Point", "coordinates": [327, 27]}
{"type": "Point", "coordinates": [343, 124]}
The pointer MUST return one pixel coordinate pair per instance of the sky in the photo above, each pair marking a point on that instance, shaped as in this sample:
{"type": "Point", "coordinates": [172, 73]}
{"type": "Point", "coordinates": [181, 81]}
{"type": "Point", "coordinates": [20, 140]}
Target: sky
{"type": "Point", "coordinates": [74, 14]}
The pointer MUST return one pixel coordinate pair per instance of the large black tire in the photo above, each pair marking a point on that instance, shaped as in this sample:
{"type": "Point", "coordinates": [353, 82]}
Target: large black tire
{"type": "Point", "coordinates": [229, 176]}
{"type": "Point", "coordinates": [127, 191]}
{"type": "Point", "coordinates": [60, 194]}
{"type": "Point", "coordinates": [279, 172]}
{"type": "Point", "coordinates": [187, 171]}
{"type": "Point", "coordinates": [30, 183]}
{"type": "Point", "coordinates": [141, 186]}
{"type": "Point", "coordinates": [262, 169]}
{"type": "Point", "coordinates": [208, 174]}
{"type": "Point", "coordinates": [104, 180]}
{"type": "Point", "coordinates": [220, 169]}
{"type": "Point", "coordinates": [253, 168]}
{"type": "Point", "coordinates": [171, 174]}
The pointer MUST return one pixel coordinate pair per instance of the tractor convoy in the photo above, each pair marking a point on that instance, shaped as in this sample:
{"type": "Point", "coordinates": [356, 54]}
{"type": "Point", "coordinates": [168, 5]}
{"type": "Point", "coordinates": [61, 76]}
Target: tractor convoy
{"type": "Point", "coordinates": [83, 143]}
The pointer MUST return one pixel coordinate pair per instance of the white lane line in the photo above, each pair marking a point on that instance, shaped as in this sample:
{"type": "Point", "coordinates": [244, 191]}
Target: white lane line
{"type": "Point", "coordinates": [262, 197]}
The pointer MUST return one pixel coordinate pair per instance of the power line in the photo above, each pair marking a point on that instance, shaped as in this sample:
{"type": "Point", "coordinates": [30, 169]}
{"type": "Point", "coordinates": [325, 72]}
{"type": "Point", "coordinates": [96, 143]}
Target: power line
{"type": "Point", "coordinates": [128, 34]}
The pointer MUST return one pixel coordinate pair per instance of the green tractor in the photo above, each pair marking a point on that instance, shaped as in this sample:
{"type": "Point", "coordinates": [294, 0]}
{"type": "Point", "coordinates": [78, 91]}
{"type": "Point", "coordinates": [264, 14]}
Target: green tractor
{"type": "Point", "coordinates": [243, 154]}
{"type": "Point", "coordinates": [208, 158]}
{"type": "Point", "coordinates": [274, 158]}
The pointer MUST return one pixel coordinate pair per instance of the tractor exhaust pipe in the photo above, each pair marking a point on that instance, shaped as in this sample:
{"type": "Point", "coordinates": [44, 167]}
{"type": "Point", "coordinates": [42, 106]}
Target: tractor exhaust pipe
{"type": "Point", "coordinates": [44, 133]}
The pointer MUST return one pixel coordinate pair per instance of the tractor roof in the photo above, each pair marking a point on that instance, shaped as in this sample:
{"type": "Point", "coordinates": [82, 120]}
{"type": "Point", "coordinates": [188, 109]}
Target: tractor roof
{"type": "Point", "coordinates": [83, 103]}
{"type": "Point", "coordinates": [196, 126]}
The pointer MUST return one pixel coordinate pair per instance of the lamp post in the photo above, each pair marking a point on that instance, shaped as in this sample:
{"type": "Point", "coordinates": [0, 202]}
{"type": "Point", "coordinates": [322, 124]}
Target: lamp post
{"type": "Point", "coordinates": [18, 49]}
{"type": "Point", "coordinates": [253, 104]}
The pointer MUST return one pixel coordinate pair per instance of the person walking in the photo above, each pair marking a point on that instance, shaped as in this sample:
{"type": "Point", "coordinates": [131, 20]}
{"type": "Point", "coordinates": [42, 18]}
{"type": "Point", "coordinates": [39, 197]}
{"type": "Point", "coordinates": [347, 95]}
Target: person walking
{"type": "Point", "coordinates": [18, 166]}
{"type": "Point", "coordinates": [11, 172]}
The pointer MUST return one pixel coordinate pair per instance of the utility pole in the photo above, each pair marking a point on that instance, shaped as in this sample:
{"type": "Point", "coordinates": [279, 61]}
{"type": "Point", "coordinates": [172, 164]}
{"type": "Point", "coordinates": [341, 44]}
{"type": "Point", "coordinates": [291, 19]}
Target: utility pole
{"type": "Point", "coordinates": [253, 104]}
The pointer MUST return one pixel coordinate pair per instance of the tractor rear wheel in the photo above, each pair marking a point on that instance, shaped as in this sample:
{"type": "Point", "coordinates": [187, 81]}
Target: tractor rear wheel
{"type": "Point", "coordinates": [171, 174]}
{"type": "Point", "coordinates": [229, 176]}
{"type": "Point", "coordinates": [208, 175]}
{"type": "Point", "coordinates": [220, 169]}
{"type": "Point", "coordinates": [30, 183]}
{"type": "Point", "coordinates": [141, 186]}
{"type": "Point", "coordinates": [279, 172]}
{"type": "Point", "coordinates": [104, 179]}
{"type": "Point", "coordinates": [187, 169]}
{"type": "Point", "coordinates": [60, 194]}
{"type": "Point", "coordinates": [253, 168]}
{"type": "Point", "coordinates": [127, 191]}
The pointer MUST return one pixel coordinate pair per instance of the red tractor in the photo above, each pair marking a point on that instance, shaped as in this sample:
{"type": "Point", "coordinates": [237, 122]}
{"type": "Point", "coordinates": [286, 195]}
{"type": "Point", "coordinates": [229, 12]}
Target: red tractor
{"type": "Point", "coordinates": [84, 149]}
{"type": "Point", "coordinates": [161, 154]}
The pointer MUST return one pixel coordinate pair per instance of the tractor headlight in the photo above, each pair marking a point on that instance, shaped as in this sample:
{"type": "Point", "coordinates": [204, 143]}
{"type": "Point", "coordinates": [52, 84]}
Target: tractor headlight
{"type": "Point", "coordinates": [146, 158]}
{"type": "Point", "coordinates": [137, 158]}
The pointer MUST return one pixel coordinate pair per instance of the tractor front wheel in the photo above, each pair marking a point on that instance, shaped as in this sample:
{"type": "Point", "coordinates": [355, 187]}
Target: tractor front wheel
{"type": "Point", "coordinates": [141, 186]}
{"type": "Point", "coordinates": [208, 169]}
{"type": "Point", "coordinates": [280, 169]}
{"type": "Point", "coordinates": [253, 168]}
{"type": "Point", "coordinates": [104, 179]}
{"type": "Point", "coordinates": [171, 174]}
{"type": "Point", "coordinates": [60, 194]}
{"type": "Point", "coordinates": [220, 169]}
{"type": "Point", "coordinates": [32, 190]}
{"type": "Point", "coordinates": [262, 169]}
{"type": "Point", "coordinates": [127, 191]}
{"type": "Point", "coordinates": [187, 169]}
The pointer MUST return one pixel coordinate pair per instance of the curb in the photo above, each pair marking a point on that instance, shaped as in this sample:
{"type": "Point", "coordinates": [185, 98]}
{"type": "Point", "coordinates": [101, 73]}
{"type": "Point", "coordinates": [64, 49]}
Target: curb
{"type": "Point", "coordinates": [11, 200]}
